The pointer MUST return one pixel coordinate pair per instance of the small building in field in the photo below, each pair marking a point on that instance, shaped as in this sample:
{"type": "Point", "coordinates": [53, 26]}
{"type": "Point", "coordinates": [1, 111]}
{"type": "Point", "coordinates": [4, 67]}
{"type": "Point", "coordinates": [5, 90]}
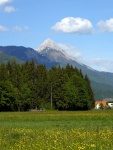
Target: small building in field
{"type": "Point", "coordinates": [99, 104]}
{"type": "Point", "coordinates": [105, 103]}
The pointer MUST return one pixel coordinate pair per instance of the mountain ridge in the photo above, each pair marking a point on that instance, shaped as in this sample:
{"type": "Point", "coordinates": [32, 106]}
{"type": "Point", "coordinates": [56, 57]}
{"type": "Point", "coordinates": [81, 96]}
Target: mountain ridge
{"type": "Point", "coordinates": [4, 58]}
{"type": "Point", "coordinates": [26, 54]}
{"type": "Point", "coordinates": [49, 45]}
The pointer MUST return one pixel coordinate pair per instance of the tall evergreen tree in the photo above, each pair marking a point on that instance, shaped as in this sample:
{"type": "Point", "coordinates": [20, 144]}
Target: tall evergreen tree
{"type": "Point", "coordinates": [90, 93]}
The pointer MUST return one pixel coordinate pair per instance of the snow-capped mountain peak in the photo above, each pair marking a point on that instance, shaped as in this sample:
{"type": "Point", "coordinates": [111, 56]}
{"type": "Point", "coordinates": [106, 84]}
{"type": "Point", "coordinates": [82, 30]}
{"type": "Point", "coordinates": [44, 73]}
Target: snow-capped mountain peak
{"type": "Point", "coordinates": [48, 43]}
{"type": "Point", "coordinates": [54, 52]}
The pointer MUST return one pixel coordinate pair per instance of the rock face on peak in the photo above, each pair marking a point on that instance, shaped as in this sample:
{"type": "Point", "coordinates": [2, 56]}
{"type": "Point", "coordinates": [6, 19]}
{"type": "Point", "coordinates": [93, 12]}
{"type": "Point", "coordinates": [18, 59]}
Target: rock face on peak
{"type": "Point", "coordinates": [54, 52]}
{"type": "Point", "coordinates": [48, 44]}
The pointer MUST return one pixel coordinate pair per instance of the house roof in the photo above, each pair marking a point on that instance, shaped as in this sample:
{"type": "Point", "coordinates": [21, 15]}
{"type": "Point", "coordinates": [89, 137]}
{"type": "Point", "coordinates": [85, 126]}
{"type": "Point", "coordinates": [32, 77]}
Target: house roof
{"type": "Point", "coordinates": [100, 102]}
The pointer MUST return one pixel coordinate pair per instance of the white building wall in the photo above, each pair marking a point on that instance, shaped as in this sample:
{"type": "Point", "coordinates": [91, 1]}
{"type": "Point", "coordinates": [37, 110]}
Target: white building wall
{"type": "Point", "coordinates": [110, 104]}
{"type": "Point", "coordinates": [97, 106]}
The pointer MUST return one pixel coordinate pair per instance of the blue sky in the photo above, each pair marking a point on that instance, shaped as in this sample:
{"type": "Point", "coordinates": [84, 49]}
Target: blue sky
{"type": "Point", "coordinates": [83, 27]}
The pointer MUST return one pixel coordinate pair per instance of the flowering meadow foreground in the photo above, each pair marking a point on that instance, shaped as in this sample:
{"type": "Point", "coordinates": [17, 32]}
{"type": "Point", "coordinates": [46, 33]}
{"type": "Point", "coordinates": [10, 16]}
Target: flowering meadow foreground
{"type": "Point", "coordinates": [56, 130]}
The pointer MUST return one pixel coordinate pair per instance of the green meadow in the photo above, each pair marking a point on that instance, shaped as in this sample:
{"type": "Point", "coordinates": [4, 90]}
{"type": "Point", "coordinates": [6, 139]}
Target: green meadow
{"type": "Point", "coordinates": [56, 130]}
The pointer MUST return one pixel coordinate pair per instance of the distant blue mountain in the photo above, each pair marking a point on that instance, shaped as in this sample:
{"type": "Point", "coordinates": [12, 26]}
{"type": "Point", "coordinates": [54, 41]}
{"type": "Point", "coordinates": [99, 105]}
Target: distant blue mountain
{"type": "Point", "coordinates": [4, 58]}
{"type": "Point", "coordinates": [27, 54]}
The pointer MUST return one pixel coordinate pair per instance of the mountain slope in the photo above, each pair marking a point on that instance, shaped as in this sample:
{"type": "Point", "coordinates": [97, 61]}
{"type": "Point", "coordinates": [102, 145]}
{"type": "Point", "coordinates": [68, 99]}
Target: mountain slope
{"type": "Point", "coordinates": [4, 58]}
{"type": "Point", "coordinates": [99, 80]}
{"type": "Point", "coordinates": [101, 90]}
{"type": "Point", "coordinates": [26, 54]}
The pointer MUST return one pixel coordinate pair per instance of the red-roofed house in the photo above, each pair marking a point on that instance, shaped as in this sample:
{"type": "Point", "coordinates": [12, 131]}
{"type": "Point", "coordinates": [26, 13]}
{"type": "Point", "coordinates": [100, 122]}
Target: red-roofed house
{"type": "Point", "coordinates": [98, 104]}
{"type": "Point", "coordinates": [104, 103]}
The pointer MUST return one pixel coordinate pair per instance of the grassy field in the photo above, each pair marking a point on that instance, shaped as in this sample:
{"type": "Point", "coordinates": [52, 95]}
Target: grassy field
{"type": "Point", "coordinates": [56, 130]}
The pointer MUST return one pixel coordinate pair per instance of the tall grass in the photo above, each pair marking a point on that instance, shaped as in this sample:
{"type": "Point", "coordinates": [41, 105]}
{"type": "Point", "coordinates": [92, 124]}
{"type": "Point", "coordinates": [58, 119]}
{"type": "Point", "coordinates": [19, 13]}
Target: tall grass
{"type": "Point", "coordinates": [56, 130]}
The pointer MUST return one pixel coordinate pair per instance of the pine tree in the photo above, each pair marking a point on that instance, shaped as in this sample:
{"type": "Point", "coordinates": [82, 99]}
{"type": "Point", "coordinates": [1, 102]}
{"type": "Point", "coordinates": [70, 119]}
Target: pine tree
{"type": "Point", "coordinates": [90, 93]}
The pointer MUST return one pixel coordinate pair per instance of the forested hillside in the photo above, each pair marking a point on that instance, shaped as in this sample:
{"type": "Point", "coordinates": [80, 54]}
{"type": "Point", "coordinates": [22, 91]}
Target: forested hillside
{"type": "Point", "coordinates": [4, 58]}
{"type": "Point", "coordinates": [28, 85]}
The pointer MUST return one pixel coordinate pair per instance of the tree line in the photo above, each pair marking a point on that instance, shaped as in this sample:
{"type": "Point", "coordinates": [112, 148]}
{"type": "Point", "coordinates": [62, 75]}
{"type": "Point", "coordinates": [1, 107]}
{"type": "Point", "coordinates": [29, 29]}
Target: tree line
{"type": "Point", "coordinates": [29, 85]}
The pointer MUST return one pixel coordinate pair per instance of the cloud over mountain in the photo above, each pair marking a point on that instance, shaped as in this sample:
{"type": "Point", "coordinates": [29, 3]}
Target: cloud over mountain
{"type": "Point", "coordinates": [71, 50]}
{"type": "Point", "coordinates": [98, 63]}
{"type": "Point", "coordinates": [74, 25]}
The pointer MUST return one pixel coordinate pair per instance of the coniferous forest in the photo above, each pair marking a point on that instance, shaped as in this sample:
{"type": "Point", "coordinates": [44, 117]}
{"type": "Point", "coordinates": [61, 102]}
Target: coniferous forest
{"type": "Point", "coordinates": [29, 85]}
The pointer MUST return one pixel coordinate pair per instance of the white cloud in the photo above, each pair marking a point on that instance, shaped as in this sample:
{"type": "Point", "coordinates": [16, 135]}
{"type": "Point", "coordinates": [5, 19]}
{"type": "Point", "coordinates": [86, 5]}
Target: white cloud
{"type": "Point", "coordinates": [26, 28]}
{"type": "Point", "coordinates": [106, 26]}
{"type": "Point", "coordinates": [19, 29]}
{"type": "Point", "coordinates": [99, 64]}
{"type": "Point", "coordinates": [9, 9]}
{"type": "Point", "coordinates": [5, 8]}
{"type": "Point", "coordinates": [74, 25]}
{"type": "Point", "coordinates": [3, 2]}
{"type": "Point", "coordinates": [2, 28]}
{"type": "Point", "coordinates": [71, 50]}
{"type": "Point", "coordinates": [95, 63]}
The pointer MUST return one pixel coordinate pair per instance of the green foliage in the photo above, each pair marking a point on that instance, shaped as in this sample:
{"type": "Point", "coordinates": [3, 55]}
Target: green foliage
{"type": "Point", "coordinates": [28, 86]}
{"type": "Point", "coordinates": [101, 106]}
{"type": "Point", "coordinates": [7, 96]}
